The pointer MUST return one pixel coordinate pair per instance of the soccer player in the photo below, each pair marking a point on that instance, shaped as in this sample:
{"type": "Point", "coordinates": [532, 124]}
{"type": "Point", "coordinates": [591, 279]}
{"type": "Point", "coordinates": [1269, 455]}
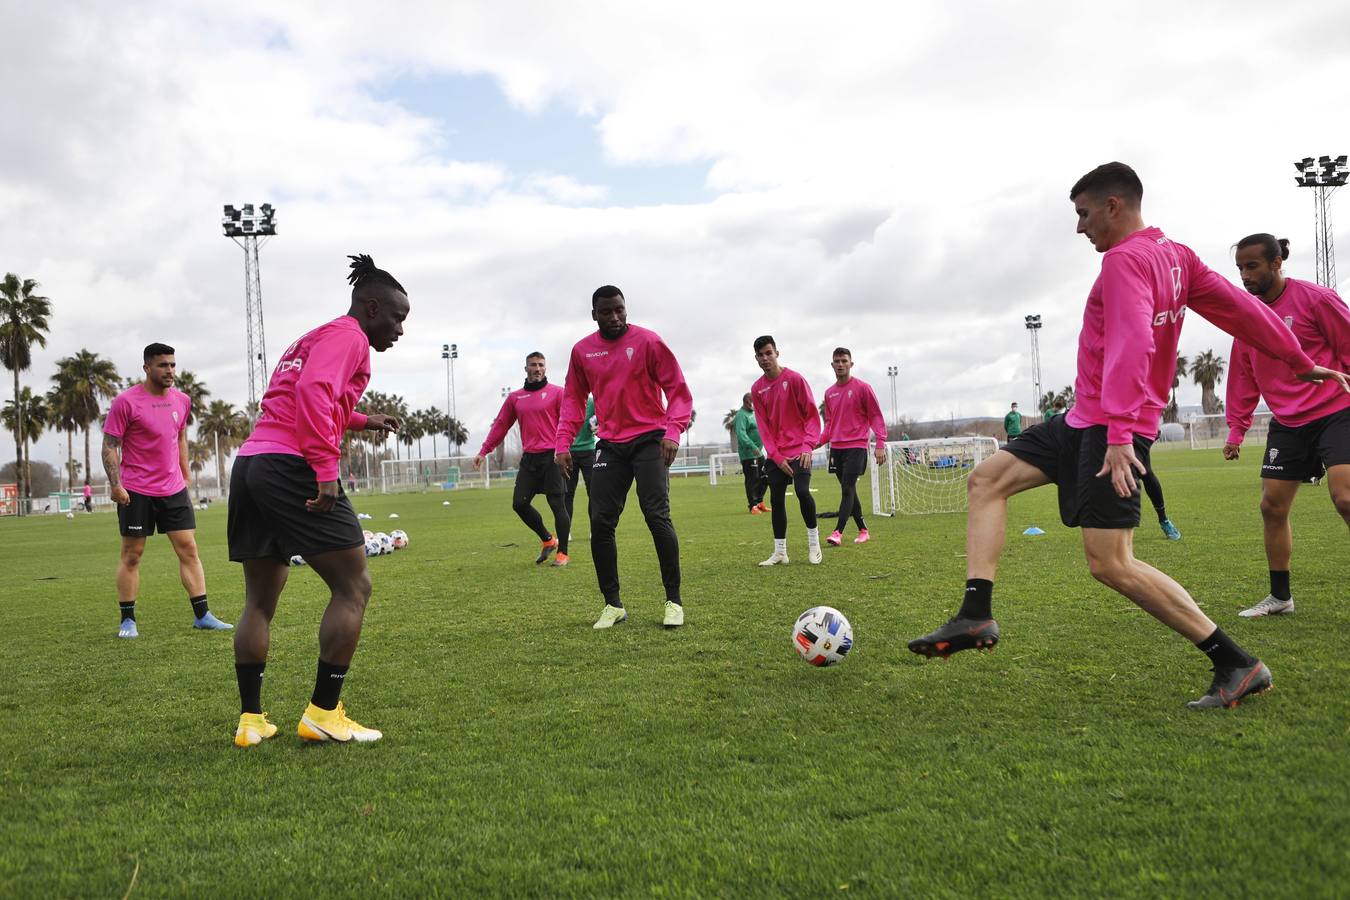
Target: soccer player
{"type": "Point", "coordinates": [1126, 358]}
{"type": "Point", "coordinates": [1153, 488]}
{"type": "Point", "coordinates": [851, 411]}
{"type": "Point", "coordinates": [1012, 422]}
{"type": "Point", "coordinates": [1310, 425]}
{"type": "Point", "coordinates": [789, 423]}
{"type": "Point", "coordinates": [145, 454]}
{"type": "Point", "coordinates": [535, 406]}
{"type": "Point", "coordinates": [583, 458]}
{"type": "Point", "coordinates": [750, 449]}
{"type": "Point", "coordinates": [627, 368]}
{"type": "Point", "coordinates": [286, 499]}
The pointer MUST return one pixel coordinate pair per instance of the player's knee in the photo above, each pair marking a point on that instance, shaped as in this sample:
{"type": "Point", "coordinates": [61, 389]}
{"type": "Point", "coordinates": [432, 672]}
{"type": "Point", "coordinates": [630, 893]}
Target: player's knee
{"type": "Point", "coordinates": [520, 506]}
{"type": "Point", "coordinates": [1342, 502]}
{"type": "Point", "coordinates": [357, 590]}
{"type": "Point", "coordinates": [132, 558]}
{"type": "Point", "coordinates": [1273, 510]}
{"type": "Point", "coordinates": [1107, 568]}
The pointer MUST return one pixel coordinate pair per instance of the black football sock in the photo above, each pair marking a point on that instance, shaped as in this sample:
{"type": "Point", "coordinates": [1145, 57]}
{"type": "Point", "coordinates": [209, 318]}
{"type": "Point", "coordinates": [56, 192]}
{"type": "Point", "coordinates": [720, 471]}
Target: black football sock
{"type": "Point", "coordinates": [1221, 651]}
{"type": "Point", "coordinates": [1162, 514]}
{"type": "Point", "coordinates": [328, 685]}
{"type": "Point", "coordinates": [250, 676]}
{"type": "Point", "coordinates": [1279, 584]}
{"type": "Point", "coordinates": [979, 599]}
{"type": "Point", "coordinates": [199, 607]}
{"type": "Point", "coordinates": [128, 611]}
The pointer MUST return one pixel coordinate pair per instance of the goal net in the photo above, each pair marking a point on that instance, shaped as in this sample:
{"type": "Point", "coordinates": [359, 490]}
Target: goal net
{"type": "Point", "coordinates": [723, 465]}
{"type": "Point", "coordinates": [1210, 432]}
{"type": "Point", "coordinates": [927, 476]}
{"type": "Point", "coordinates": [435, 474]}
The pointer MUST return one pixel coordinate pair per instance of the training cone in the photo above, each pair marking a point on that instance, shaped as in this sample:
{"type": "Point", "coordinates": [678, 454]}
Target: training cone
{"type": "Point", "coordinates": [1033, 530]}
{"type": "Point", "coordinates": [393, 515]}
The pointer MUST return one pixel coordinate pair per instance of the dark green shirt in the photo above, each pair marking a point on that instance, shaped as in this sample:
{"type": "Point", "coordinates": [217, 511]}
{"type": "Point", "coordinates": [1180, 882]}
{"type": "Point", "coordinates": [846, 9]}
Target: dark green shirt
{"type": "Point", "coordinates": [585, 441]}
{"type": "Point", "coordinates": [1012, 423]}
{"type": "Point", "coordinates": [748, 444]}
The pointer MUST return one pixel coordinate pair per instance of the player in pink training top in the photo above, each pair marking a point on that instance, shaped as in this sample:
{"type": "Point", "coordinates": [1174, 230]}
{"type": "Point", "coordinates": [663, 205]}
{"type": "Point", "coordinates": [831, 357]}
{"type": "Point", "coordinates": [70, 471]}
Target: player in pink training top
{"type": "Point", "coordinates": [629, 370]}
{"type": "Point", "coordinates": [1310, 428]}
{"type": "Point", "coordinates": [286, 499]}
{"type": "Point", "coordinates": [1126, 359]}
{"type": "Point", "coordinates": [789, 423]}
{"type": "Point", "coordinates": [536, 407]}
{"type": "Point", "coordinates": [145, 454]}
{"type": "Point", "coordinates": [851, 412]}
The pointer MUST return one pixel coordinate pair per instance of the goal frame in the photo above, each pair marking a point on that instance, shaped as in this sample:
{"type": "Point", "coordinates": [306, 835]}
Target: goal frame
{"type": "Point", "coordinates": [887, 498]}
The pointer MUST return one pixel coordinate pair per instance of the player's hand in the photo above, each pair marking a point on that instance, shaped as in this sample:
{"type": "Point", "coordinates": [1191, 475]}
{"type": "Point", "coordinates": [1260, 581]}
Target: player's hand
{"type": "Point", "coordinates": [1120, 464]}
{"type": "Point", "coordinates": [328, 494]}
{"type": "Point", "coordinates": [880, 453]}
{"type": "Point", "coordinates": [477, 463]}
{"type": "Point", "coordinates": [786, 469]}
{"type": "Point", "coordinates": [120, 496]}
{"type": "Point", "coordinates": [668, 450]}
{"type": "Point", "coordinates": [804, 461]}
{"type": "Point", "coordinates": [1232, 451]}
{"type": "Point", "coordinates": [564, 461]}
{"type": "Point", "coordinates": [1319, 374]}
{"type": "Point", "coordinates": [382, 422]}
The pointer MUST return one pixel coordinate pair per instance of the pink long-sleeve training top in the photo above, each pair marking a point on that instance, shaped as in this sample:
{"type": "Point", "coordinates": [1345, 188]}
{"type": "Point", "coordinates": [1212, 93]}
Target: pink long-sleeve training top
{"type": "Point", "coordinates": [1320, 321]}
{"type": "Point", "coordinates": [628, 377]}
{"type": "Point", "coordinates": [851, 411]}
{"type": "Point", "coordinates": [312, 396]}
{"type": "Point", "coordinates": [785, 410]}
{"type": "Point", "coordinates": [1128, 346]}
{"type": "Point", "coordinates": [537, 413]}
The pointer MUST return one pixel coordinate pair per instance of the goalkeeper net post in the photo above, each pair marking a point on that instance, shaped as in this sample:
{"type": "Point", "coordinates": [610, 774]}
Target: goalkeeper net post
{"type": "Point", "coordinates": [927, 476]}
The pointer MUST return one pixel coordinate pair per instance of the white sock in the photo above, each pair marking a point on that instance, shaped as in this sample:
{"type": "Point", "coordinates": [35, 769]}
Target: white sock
{"type": "Point", "coordinates": [780, 546]}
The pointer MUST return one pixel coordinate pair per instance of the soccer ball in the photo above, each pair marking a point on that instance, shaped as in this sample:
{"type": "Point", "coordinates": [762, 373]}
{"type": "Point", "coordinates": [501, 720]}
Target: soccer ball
{"type": "Point", "coordinates": [372, 546]}
{"type": "Point", "coordinates": [400, 538]}
{"type": "Point", "coordinates": [297, 560]}
{"type": "Point", "coordinates": [367, 534]}
{"type": "Point", "coordinates": [822, 636]}
{"type": "Point", "coordinates": [386, 543]}
{"type": "Point", "coordinates": [70, 515]}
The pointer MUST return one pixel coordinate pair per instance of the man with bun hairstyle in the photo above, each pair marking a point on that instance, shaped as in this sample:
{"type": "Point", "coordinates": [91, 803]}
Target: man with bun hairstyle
{"type": "Point", "coordinates": [286, 499]}
{"type": "Point", "coordinates": [1126, 361]}
{"type": "Point", "coordinates": [1310, 425]}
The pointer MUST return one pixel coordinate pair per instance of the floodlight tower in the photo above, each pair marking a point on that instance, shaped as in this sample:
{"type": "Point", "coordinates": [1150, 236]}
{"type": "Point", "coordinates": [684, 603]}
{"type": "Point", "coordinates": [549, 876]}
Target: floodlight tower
{"type": "Point", "coordinates": [1325, 176]}
{"type": "Point", "coordinates": [450, 353]}
{"type": "Point", "coordinates": [893, 372]}
{"type": "Point", "coordinates": [1033, 328]}
{"type": "Point", "coordinates": [244, 227]}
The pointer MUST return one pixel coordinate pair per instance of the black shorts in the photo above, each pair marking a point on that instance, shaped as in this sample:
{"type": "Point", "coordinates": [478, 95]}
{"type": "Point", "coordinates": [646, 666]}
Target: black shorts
{"type": "Point", "coordinates": [1071, 458]}
{"type": "Point", "coordinates": [851, 462]}
{"type": "Point", "coordinates": [145, 515]}
{"type": "Point", "coordinates": [539, 474]}
{"type": "Point", "coordinates": [778, 478]}
{"type": "Point", "coordinates": [268, 516]}
{"type": "Point", "coordinates": [1301, 453]}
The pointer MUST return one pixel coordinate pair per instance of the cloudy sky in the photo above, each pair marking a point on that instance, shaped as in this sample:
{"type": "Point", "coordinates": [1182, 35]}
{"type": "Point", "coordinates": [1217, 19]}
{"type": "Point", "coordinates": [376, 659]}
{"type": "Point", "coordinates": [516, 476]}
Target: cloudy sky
{"type": "Point", "coordinates": [887, 176]}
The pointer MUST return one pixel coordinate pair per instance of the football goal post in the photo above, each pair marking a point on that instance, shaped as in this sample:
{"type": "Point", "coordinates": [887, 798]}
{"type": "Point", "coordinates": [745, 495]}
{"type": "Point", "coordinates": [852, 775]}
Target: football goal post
{"type": "Point", "coordinates": [1210, 432]}
{"type": "Point", "coordinates": [927, 476]}
{"type": "Point", "coordinates": [723, 465]}
{"type": "Point", "coordinates": [434, 474]}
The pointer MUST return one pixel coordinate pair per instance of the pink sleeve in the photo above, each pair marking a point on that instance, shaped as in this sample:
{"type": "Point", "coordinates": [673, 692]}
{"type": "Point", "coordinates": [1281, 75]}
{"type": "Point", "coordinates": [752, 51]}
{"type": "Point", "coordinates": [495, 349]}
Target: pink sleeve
{"type": "Point", "coordinates": [810, 412]}
{"type": "Point", "coordinates": [1333, 320]}
{"type": "Point", "coordinates": [573, 407]}
{"type": "Point", "coordinates": [874, 415]}
{"type": "Point", "coordinates": [1127, 309]}
{"type": "Point", "coordinates": [679, 402]}
{"type": "Point", "coordinates": [1240, 402]}
{"type": "Point", "coordinates": [327, 371]}
{"type": "Point", "coordinates": [500, 426]}
{"type": "Point", "coordinates": [358, 421]}
{"type": "Point", "coordinates": [1244, 317]}
{"type": "Point", "coordinates": [118, 415]}
{"type": "Point", "coordinates": [765, 428]}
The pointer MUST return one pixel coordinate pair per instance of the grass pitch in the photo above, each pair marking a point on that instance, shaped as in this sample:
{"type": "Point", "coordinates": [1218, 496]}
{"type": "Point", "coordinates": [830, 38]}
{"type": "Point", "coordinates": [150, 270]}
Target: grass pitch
{"type": "Point", "coordinates": [527, 755]}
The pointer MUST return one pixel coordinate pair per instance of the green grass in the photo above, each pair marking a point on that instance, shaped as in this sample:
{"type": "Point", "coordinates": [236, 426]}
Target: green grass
{"type": "Point", "coordinates": [525, 754]}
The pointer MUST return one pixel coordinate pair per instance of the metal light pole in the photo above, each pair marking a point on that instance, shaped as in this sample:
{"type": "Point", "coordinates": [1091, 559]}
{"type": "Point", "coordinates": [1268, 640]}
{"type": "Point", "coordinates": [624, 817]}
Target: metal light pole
{"type": "Point", "coordinates": [893, 372]}
{"type": "Point", "coordinates": [1034, 329]}
{"type": "Point", "coordinates": [450, 353]}
{"type": "Point", "coordinates": [1325, 176]}
{"type": "Point", "coordinates": [244, 227]}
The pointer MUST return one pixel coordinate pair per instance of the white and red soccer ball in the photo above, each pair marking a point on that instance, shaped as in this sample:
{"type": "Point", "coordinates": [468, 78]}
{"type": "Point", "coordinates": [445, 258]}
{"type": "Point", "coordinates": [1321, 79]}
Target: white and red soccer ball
{"type": "Point", "coordinates": [822, 636]}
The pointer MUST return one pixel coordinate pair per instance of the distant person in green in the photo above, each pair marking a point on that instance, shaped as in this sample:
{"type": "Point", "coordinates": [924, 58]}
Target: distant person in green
{"type": "Point", "coordinates": [1056, 410]}
{"type": "Point", "coordinates": [751, 451]}
{"type": "Point", "coordinates": [1012, 422]}
{"type": "Point", "coordinates": [583, 455]}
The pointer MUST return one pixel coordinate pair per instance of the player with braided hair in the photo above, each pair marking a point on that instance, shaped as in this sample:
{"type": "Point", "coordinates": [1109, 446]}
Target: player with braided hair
{"type": "Point", "coordinates": [286, 499]}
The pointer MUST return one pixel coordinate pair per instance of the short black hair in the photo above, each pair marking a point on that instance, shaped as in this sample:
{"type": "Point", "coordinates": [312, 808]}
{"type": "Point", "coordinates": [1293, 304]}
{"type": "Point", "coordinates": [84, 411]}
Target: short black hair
{"type": "Point", "coordinates": [157, 349]}
{"type": "Point", "coordinates": [534, 354]}
{"type": "Point", "coordinates": [1270, 245]}
{"type": "Point", "coordinates": [1113, 179]}
{"type": "Point", "coordinates": [365, 274]}
{"type": "Point", "coordinates": [841, 351]}
{"type": "Point", "coordinates": [765, 339]}
{"type": "Point", "coordinates": [604, 292]}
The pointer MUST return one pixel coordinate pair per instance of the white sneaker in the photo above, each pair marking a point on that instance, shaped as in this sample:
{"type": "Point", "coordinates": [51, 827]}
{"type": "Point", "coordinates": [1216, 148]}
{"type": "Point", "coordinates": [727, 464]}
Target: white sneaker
{"type": "Point", "coordinates": [779, 558]}
{"type": "Point", "coordinates": [813, 554]}
{"type": "Point", "coordinates": [1269, 607]}
{"type": "Point", "coordinates": [611, 616]}
{"type": "Point", "coordinates": [674, 614]}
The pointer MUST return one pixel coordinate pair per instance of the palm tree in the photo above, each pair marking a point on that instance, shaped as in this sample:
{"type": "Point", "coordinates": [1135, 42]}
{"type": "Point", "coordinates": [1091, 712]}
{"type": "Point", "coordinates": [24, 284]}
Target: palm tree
{"type": "Point", "coordinates": [199, 454]}
{"type": "Point", "coordinates": [90, 379]}
{"type": "Point", "coordinates": [1207, 371]}
{"type": "Point", "coordinates": [188, 383]}
{"type": "Point", "coordinates": [61, 416]}
{"type": "Point", "coordinates": [31, 418]}
{"type": "Point", "coordinates": [436, 425]}
{"type": "Point", "coordinates": [729, 422]}
{"type": "Point", "coordinates": [225, 427]}
{"type": "Point", "coordinates": [1170, 414]}
{"type": "Point", "coordinates": [456, 432]}
{"type": "Point", "coordinates": [23, 323]}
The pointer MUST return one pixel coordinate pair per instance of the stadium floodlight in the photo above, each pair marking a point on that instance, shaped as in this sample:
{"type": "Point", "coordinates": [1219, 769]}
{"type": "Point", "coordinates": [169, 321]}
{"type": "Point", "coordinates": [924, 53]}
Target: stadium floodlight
{"type": "Point", "coordinates": [245, 226]}
{"type": "Point", "coordinates": [1326, 175]}
{"type": "Point", "coordinates": [1033, 324]}
{"type": "Point", "coordinates": [450, 353]}
{"type": "Point", "coordinates": [893, 372]}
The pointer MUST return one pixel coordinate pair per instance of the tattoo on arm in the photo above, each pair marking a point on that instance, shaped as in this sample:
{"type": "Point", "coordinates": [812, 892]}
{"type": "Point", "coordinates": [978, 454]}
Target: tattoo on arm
{"type": "Point", "coordinates": [112, 460]}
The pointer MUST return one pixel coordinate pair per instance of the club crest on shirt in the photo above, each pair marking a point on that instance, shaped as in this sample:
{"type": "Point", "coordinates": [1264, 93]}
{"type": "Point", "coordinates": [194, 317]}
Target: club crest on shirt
{"type": "Point", "coordinates": [629, 351]}
{"type": "Point", "coordinates": [175, 417]}
{"type": "Point", "coordinates": [1273, 453]}
{"type": "Point", "coordinates": [1289, 322]}
{"type": "Point", "coordinates": [785, 385]}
